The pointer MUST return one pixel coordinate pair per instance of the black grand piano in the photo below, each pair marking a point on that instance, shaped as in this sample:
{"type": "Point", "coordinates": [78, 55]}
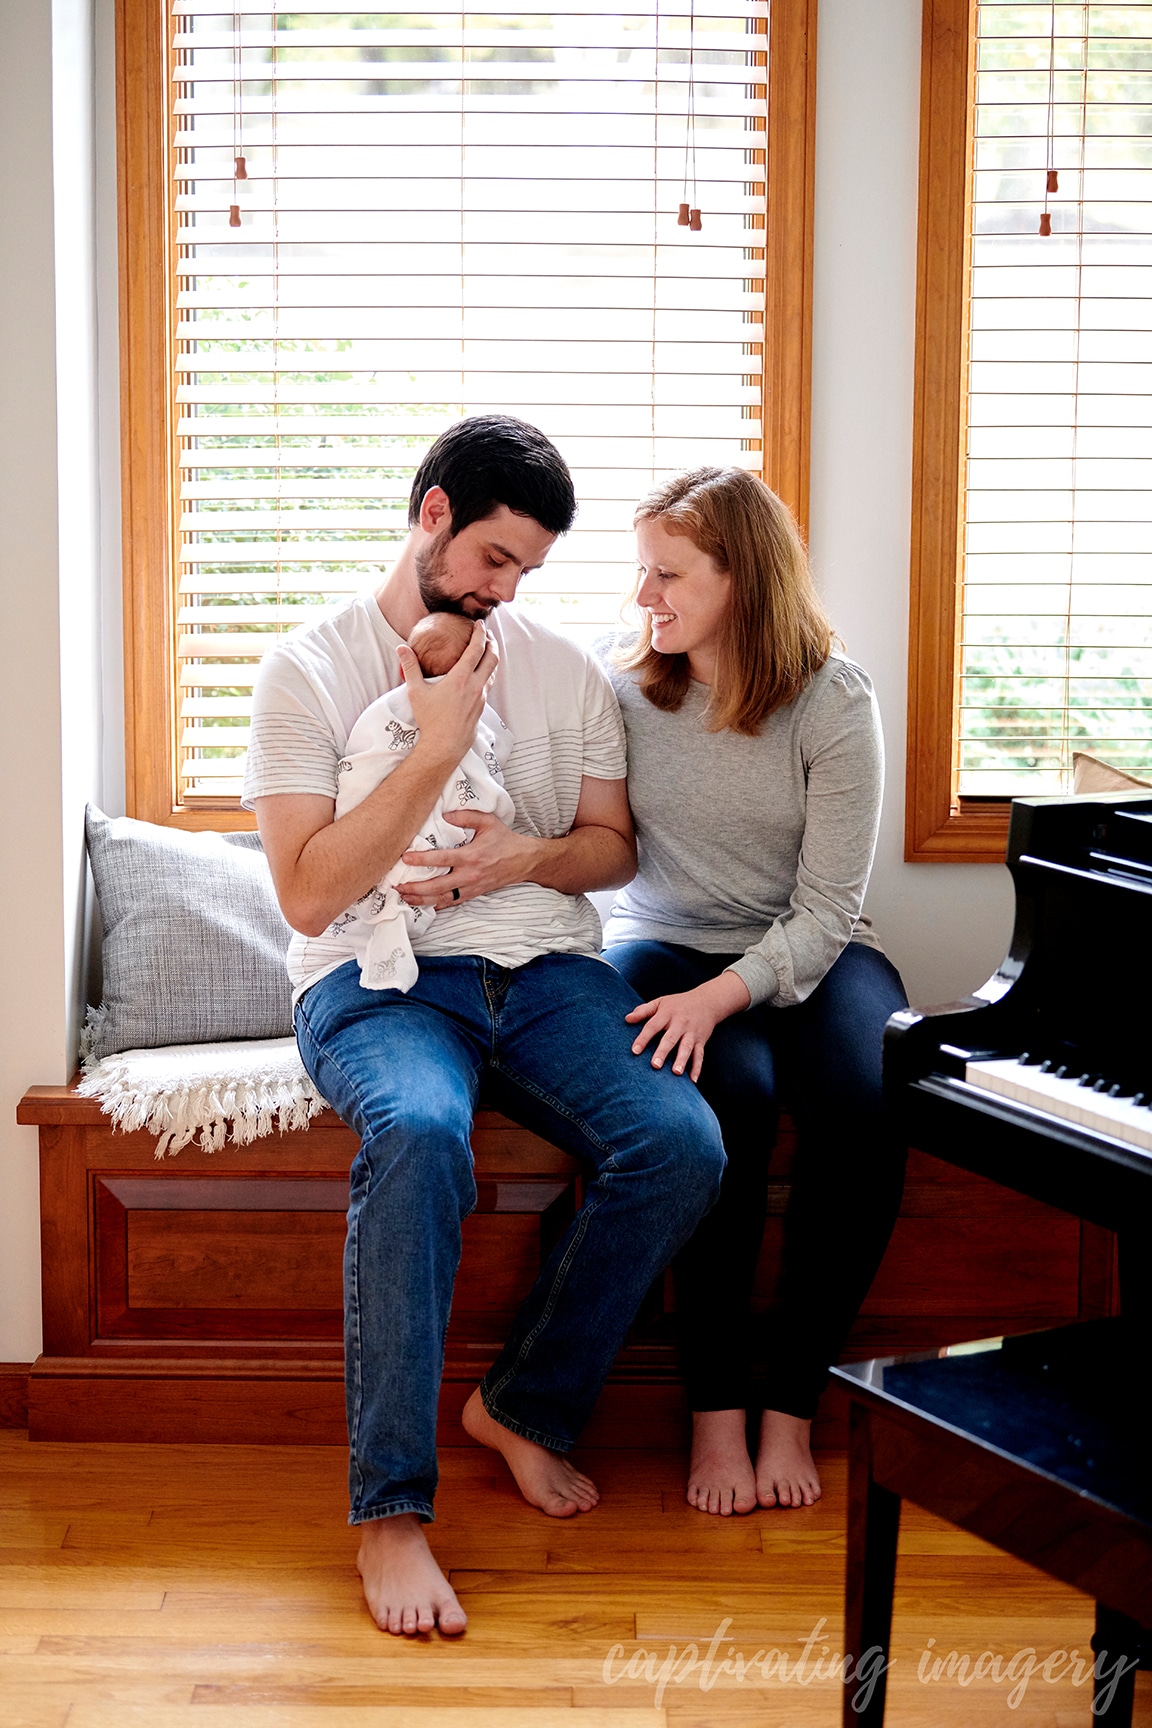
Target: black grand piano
{"type": "Point", "coordinates": [1041, 1081]}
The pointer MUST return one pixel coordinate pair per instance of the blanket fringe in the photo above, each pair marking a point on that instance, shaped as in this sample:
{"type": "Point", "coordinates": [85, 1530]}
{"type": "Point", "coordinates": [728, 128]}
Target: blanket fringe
{"type": "Point", "coordinates": [213, 1111]}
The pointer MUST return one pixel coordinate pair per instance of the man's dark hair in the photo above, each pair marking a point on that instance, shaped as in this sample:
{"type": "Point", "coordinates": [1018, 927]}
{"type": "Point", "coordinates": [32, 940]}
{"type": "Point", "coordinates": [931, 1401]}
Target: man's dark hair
{"type": "Point", "coordinates": [490, 460]}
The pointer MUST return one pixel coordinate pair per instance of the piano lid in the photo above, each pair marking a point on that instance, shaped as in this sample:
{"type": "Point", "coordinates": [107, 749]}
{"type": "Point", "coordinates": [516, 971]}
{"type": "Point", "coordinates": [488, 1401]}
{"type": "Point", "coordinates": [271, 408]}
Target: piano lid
{"type": "Point", "coordinates": [1070, 830]}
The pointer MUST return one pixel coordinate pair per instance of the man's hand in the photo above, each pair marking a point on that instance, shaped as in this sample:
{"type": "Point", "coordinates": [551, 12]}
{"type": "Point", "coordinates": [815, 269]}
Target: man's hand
{"type": "Point", "coordinates": [599, 852]}
{"type": "Point", "coordinates": [494, 858]}
{"type": "Point", "coordinates": [687, 1021]}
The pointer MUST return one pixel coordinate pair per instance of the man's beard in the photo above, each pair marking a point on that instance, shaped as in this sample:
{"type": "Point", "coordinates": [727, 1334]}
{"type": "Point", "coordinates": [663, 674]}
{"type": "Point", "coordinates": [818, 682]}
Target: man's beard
{"type": "Point", "coordinates": [431, 565]}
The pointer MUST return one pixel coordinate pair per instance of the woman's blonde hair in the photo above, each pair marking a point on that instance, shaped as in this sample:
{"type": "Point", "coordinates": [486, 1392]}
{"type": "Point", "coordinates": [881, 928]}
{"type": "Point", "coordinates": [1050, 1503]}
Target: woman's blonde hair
{"type": "Point", "coordinates": [775, 636]}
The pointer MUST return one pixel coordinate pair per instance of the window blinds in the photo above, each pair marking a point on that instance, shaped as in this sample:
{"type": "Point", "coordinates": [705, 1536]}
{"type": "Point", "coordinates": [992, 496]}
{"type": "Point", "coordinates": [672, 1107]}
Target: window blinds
{"type": "Point", "coordinates": [1057, 612]}
{"type": "Point", "coordinates": [440, 214]}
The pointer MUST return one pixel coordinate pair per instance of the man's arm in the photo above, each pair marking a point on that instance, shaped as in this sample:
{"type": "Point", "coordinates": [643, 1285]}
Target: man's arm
{"type": "Point", "coordinates": [320, 866]}
{"type": "Point", "coordinates": [598, 852]}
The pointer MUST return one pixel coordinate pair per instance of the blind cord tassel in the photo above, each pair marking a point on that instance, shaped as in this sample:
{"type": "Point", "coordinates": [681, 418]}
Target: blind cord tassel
{"type": "Point", "coordinates": [1052, 179]}
{"type": "Point", "coordinates": [689, 216]}
{"type": "Point", "coordinates": [239, 165]}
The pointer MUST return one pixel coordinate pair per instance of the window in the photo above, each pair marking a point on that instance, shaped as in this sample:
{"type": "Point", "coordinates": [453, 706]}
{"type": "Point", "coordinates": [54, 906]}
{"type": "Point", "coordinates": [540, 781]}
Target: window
{"type": "Point", "coordinates": [1032, 598]}
{"type": "Point", "coordinates": [374, 223]}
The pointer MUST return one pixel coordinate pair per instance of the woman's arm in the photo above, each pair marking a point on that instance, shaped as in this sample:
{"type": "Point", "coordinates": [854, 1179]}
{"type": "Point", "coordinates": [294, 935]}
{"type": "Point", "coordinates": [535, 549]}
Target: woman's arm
{"type": "Point", "coordinates": [843, 753]}
{"type": "Point", "coordinates": [843, 761]}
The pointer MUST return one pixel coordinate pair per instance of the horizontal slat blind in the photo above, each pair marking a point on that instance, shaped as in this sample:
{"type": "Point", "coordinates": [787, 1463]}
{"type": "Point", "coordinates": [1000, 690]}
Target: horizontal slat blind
{"type": "Point", "coordinates": [444, 214]}
{"type": "Point", "coordinates": [1057, 618]}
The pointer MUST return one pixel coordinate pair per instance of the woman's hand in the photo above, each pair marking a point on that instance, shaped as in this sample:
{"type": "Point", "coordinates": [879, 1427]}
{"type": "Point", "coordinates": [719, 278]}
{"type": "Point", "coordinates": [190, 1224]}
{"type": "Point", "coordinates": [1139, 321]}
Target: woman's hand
{"type": "Point", "coordinates": [688, 1020]}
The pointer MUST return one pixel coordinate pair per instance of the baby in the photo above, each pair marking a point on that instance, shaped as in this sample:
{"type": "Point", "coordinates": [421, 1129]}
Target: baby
{"type": "Point", "coordinates": [381, 925]}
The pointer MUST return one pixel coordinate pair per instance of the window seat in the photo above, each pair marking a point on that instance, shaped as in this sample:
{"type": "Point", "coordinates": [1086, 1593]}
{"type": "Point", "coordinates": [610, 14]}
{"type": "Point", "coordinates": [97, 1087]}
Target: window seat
{"type": "Point", "coordinates": [199, 1298]}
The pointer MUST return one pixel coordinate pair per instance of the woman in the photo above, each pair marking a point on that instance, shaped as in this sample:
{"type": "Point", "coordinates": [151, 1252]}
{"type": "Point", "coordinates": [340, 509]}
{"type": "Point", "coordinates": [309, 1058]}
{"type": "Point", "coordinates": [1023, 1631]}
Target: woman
{"type": "Point", "coordinates": [754, 773]}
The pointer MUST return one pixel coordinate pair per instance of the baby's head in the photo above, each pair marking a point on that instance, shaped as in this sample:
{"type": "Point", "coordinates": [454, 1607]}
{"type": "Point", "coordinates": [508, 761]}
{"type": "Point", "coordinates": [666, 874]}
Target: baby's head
{"type": "Point", "coordinates": [438, 641]}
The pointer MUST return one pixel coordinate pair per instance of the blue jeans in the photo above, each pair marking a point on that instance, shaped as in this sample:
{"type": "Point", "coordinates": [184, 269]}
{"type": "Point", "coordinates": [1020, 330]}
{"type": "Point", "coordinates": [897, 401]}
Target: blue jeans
{"type": "Point", "coordinates": [822, 1059]}
{"type": "Point", "coordinates": [404, 1071]}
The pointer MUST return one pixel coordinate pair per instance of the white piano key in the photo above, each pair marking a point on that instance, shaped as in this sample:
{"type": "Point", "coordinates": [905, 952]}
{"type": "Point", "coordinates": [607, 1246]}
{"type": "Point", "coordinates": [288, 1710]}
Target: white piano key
{"type": "Point", "coordinates": [1066, 1098]}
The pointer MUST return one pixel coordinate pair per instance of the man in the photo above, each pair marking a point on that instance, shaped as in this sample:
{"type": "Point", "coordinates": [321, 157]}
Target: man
{"type": "Point", "coordinates": [510, 988]}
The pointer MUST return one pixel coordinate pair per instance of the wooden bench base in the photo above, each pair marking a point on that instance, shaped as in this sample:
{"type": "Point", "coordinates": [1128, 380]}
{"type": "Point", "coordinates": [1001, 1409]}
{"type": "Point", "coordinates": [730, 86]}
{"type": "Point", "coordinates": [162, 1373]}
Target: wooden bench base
{"type": "Point", "coordinates": [198, 1298]}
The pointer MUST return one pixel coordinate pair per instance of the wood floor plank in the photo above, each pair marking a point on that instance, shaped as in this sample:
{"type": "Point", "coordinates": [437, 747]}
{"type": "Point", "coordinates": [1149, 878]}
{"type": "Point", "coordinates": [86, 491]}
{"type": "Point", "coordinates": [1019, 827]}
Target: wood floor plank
{"type": "Point", "coordinates": [353, 1716]}
{"type": "Point", "coordinates": [29, 1528]}
{"type": "Point", "coordinates": [178, 1587]}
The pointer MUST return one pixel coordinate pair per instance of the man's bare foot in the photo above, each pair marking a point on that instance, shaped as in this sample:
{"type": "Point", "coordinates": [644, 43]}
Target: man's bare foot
{"type": "Point", "coordinates": [404, 1588]}
{"type": "Point", "coordinates": [786, 1473]}
{"type": "Point", "coordinates": [546, 1479]}
{"type": "Point", "coordinates": [720, 1477]}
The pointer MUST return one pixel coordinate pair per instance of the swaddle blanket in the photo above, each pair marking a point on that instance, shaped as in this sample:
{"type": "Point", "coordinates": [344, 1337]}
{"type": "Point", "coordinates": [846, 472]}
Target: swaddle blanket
{"type": "Point", "coordinates": [381, 926]}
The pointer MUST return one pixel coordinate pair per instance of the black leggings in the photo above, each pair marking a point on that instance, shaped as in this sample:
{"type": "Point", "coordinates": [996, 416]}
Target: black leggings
{"type": "Point", "coordinates": [821, 1059]}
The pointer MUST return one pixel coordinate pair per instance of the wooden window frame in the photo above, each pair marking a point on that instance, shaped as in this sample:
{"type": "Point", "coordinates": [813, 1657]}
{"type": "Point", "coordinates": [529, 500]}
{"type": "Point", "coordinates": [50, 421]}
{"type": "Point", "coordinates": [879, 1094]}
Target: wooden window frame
{"type": "Point", "coordinates": [145, 146]}
{"type": "Point", "coordinates": [942, 827]}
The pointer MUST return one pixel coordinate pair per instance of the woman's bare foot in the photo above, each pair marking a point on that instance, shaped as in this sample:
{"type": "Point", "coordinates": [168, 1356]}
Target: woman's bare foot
{"type": "Point", "coordinates": [720, 1477]}
{"type": "Point", "coordinates": [546, 1479]}
{"type": "Point", "coordinates": [786, 1473]}
{"type": "Point", "coordinates": [404, 1588]}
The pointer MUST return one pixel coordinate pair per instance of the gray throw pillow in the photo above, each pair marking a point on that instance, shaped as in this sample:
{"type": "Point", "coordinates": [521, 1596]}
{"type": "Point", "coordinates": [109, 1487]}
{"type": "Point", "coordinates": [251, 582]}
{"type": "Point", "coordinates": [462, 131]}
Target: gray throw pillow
{"type": "Point", "coordinates": [194, 940]}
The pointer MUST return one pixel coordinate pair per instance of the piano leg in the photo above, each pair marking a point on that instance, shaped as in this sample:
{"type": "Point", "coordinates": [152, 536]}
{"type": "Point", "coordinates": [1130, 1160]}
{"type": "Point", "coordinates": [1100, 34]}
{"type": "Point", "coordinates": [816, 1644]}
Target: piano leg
{"type": "Point", "coordinates": [873, 1528]}
{"type": "Point", "coordinates": [1119, 1644]}
{"type": "Point", "coordinates": [1135, 1267]}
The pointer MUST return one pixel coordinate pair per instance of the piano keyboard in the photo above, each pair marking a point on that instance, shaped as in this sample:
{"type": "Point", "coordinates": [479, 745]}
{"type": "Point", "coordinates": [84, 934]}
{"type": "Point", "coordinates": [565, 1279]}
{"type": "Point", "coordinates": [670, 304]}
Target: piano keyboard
{"type": "Point", "coordinates": [1098, 1105]}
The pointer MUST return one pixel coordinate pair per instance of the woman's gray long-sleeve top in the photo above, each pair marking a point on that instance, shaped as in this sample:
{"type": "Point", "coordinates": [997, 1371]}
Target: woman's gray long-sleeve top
{"type": "Point", "coordinates": [762, 844]}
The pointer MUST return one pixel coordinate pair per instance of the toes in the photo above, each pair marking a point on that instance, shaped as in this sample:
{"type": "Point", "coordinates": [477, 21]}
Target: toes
{"type": "Point", "coordinates": [766, 1496]}
{"type": "Point", "coordinates": [408, 1621]}
{"type": "Point", "coordinates": [743, 1503]}
{"type": "Point", "coordinates": [452, 1618]}
{"type": "Point", "coordinates": [582, 1492]}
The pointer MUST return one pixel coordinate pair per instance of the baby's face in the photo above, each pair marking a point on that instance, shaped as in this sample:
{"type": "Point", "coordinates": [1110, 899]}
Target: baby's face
{"type": "Point", "coordinates": [439, 640]}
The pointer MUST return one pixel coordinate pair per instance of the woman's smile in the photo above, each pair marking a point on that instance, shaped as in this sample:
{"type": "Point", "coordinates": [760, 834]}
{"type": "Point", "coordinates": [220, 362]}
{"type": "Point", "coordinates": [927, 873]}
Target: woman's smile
{"type": "Point", "coordinates": [673, 566]}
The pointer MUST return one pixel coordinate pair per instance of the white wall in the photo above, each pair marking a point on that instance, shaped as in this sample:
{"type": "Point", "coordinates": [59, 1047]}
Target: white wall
{"type": "Point", "coordinates": [60, 670]}
{"type": "Point", "coordinates": [54, 545]}
{"type": "Point", "coordinates": [945, 925]}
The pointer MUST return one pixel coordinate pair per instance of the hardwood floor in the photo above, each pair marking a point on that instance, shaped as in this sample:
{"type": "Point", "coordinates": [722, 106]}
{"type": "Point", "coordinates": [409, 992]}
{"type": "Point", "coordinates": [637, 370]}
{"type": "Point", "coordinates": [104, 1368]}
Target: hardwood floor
{"type": "Point", "coordinates": [214, 1587]}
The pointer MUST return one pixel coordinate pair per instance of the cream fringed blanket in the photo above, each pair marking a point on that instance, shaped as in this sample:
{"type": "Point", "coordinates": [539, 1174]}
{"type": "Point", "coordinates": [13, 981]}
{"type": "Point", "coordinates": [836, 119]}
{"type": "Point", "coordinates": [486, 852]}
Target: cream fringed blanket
{"type": "Point", "coordinates": [210, 1092]}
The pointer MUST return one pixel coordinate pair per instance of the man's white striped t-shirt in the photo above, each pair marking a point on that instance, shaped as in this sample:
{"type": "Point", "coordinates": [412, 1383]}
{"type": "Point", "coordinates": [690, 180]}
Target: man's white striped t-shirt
{"type": "Point", "coordinates": [553, 697]}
